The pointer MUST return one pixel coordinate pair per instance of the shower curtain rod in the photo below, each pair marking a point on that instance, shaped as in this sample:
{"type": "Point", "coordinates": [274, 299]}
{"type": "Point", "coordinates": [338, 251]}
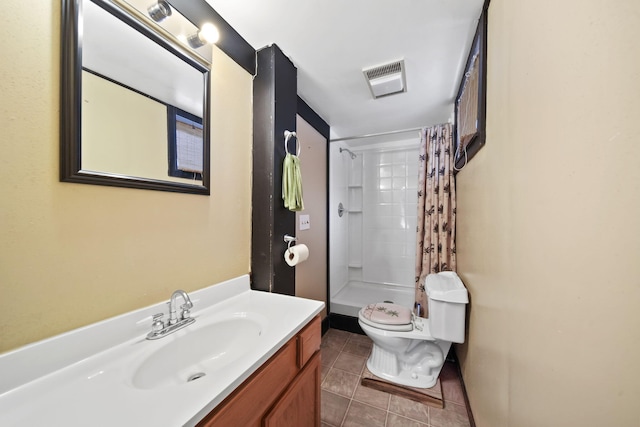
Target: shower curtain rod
{"type": "Point", "coordinates": [375, 134]}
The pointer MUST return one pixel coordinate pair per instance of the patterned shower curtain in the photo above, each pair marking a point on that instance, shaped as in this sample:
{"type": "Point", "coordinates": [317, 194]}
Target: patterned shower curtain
{"type": "Point", "coordinates": [435, 250]}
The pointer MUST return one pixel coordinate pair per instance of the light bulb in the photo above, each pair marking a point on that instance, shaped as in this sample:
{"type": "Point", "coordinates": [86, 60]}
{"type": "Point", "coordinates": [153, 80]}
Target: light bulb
{"type": "Point", "coordinates": [209, 33]}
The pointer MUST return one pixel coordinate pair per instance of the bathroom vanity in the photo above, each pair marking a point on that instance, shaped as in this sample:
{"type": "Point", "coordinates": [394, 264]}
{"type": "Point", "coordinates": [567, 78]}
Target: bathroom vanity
{"type": "Point", "coordinates": [250, 358]}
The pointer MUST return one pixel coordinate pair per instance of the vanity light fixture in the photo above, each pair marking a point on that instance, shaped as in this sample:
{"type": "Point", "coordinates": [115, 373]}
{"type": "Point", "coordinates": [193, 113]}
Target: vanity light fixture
{"type": "Point", "coordinates": [207, 34]}
{"type": "Point", "coordinates": [159, 10]}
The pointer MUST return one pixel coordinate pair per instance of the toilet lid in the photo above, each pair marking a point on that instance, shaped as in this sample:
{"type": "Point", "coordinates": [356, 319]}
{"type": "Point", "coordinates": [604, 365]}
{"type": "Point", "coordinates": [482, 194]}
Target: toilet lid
{"type": "Point", "coordinates": [387, 316]}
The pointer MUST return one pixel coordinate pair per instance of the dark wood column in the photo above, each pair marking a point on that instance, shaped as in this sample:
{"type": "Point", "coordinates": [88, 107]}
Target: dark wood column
{"type": "Point", "coordinates": [274, 111]}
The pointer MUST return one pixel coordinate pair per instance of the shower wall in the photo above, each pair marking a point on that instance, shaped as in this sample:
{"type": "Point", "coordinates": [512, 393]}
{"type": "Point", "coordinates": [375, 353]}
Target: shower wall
{"type": "Point", "coordinates": [373, 243]}
{"type": "Point", "coordinates": [388, 238]}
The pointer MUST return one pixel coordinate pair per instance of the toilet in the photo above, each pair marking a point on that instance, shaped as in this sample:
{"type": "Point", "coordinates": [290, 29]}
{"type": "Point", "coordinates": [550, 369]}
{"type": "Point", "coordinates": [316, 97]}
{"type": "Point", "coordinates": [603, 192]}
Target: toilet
{"type": "Point", "coordinates": [410, 350]}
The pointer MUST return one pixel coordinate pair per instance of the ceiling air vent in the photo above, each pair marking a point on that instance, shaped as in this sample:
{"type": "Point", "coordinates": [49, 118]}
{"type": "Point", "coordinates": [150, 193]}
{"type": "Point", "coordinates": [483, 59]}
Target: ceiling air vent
{"type": "Point", "coordinates": [386, 79]}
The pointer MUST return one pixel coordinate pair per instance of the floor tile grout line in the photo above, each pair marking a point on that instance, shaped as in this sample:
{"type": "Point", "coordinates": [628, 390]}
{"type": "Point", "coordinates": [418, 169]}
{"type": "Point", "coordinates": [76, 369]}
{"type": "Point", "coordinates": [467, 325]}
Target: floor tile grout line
{"type": "Point", "coordinates": [345, 414]}
{"type": "Point", "coordinates": [346, 372]}
{"type": "Point", "coordinates": [424, 423]}
{"type": "Point", "coordinates": [356, 387]}
{"type": "Point", "coordinates": [344, 418]}
{"type": "Point", "coordinates": [369, 405]}
{"type": "Point", "coordinates": [325, 377]}
{"type": "Point", "coordinates": [373, 406]}
{"type": "Point", "coordinates": [351, 399]}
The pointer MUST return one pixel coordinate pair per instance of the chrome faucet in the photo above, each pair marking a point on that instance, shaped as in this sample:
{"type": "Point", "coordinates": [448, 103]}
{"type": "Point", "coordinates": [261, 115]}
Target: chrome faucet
{"type": "Point", "coordinates": [161, 329]}
{"type": "Point", "coordinates": [186, 307]}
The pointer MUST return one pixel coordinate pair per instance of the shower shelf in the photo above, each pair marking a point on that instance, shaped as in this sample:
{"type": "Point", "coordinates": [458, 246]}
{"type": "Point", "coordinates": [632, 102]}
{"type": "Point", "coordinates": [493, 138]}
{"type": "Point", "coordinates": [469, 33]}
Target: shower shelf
{"type": "Point", "coordinates": [355, 265]}
{"type": "Point", "coordinates": [355, 211]}
{"type": "Point", "coordinates": [354, 186]}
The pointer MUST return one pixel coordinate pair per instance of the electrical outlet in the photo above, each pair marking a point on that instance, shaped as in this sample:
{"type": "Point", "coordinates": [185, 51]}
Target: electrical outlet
{"type": "Point", "coordinates": [304, 222]}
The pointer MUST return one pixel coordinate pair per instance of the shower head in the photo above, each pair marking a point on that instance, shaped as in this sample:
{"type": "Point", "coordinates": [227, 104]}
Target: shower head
{"type": "Point", "coordinates": [351, 153]}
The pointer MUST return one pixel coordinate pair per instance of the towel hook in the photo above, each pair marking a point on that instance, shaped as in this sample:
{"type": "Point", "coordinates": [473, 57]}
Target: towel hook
{"type": "Point", "coordinates": [287, 136]}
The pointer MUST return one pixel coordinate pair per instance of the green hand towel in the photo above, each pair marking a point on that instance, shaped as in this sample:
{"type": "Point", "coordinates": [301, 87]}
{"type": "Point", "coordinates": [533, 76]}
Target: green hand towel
{"type": "Point", "coordinates": [292, 183]}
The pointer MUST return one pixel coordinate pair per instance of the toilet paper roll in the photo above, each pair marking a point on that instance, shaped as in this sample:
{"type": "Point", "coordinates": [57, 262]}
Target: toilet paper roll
{"type": "Point", "coordinates": [296, 254]}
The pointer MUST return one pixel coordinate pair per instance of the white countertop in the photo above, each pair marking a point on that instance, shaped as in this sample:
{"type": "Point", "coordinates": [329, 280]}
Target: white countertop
{"type": "Point", "coordinates": [84, 377]}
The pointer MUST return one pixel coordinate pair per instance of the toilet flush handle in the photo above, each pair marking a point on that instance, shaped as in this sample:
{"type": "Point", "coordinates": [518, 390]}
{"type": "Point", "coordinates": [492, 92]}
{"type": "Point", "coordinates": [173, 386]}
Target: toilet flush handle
{"type": "Point", "coordinates": [417, 322]}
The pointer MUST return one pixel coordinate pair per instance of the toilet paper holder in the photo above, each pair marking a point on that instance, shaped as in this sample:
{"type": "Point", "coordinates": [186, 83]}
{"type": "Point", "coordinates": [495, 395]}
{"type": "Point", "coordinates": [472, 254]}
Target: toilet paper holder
{"type": "Point", "coordinates": [290, 240]}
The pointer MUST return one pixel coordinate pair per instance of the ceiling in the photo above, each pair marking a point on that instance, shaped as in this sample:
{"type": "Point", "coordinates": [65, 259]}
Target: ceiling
{"type": "Point", "coordinates": [332, 41]}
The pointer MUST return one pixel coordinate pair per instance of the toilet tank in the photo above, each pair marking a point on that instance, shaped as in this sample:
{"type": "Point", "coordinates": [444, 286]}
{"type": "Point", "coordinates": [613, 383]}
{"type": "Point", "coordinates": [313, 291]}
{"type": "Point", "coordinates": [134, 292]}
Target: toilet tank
{"type": "Point", "coordinates": [447, 299]}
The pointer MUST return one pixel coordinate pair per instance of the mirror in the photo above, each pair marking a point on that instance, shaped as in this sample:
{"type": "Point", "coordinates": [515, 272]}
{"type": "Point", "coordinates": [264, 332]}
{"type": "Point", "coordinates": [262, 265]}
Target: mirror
{"type": "Point", "coordinates": [134, 101]}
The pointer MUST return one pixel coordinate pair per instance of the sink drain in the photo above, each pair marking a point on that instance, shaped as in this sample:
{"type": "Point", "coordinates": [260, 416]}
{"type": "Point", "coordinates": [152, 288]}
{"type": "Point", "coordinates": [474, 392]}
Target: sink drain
{"type": "Point", "coordinates": [196, 376]}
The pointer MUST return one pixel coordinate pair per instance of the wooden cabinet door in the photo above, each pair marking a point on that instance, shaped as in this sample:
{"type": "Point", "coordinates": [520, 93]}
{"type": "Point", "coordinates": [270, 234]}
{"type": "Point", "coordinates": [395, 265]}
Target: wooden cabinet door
{"type": "Point", "coordinates": [300, 404]}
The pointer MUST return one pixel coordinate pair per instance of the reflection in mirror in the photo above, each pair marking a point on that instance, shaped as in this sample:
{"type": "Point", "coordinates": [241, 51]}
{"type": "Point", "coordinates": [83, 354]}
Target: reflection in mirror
{"type": "Point", "coordinates": [185, 144]}
{"type": "Point", "coordinates": [134, 102]}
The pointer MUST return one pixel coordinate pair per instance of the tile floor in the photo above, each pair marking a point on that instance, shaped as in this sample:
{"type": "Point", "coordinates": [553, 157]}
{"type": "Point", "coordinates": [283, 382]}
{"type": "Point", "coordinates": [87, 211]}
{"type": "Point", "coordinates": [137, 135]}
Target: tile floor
{"type": "Point", "coordinates": [346, 403]}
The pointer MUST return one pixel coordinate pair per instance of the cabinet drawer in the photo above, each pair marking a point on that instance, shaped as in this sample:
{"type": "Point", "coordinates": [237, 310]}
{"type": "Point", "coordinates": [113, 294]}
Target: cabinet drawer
{"type": "Point", "coordinates": [309, 341]}
{"type": "Point", "coordinates": [247, 404]}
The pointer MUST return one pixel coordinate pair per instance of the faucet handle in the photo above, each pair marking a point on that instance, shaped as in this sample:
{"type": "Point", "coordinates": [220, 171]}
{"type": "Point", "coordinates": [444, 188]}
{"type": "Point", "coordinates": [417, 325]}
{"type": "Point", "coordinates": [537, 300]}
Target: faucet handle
{"type": "Point", "coordinates": [157, 324]}
{"type": "Point", "coordinates": [186, 313]}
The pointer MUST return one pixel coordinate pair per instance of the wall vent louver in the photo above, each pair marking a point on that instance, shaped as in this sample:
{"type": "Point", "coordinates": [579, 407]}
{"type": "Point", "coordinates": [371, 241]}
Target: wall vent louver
{"type": "Point", "coordinates": [387, 79]}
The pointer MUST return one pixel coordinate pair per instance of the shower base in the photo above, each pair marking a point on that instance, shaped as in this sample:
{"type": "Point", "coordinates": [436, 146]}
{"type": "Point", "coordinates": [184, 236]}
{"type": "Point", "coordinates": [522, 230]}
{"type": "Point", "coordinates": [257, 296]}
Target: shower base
{"type": "Point", "coordinates": [355, 295]}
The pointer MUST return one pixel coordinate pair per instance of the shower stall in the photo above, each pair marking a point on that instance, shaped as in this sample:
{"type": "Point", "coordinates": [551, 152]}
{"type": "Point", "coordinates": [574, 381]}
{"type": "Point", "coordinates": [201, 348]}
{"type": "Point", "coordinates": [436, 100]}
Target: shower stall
{"type": "Point", "coordinates": [372, 223]}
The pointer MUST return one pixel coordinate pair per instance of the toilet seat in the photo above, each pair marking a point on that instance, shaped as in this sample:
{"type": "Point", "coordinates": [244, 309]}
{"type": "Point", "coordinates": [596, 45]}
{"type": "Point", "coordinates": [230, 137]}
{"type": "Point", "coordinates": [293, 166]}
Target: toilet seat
{"type": "Point", "coordinates": [386, 316]}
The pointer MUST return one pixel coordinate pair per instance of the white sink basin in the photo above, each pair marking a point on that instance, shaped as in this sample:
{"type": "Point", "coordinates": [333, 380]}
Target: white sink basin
{"type": "Point", "coordinates": [197, 351]}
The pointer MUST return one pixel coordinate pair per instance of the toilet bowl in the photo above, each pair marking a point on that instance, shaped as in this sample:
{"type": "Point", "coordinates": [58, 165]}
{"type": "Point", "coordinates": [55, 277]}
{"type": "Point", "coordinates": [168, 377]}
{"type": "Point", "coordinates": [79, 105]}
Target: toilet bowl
{"type": "Point", "coordinates": [410, 350]}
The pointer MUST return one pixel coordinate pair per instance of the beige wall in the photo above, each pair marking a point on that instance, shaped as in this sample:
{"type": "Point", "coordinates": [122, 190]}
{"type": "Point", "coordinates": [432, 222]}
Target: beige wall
{"type": "Point", "coordinates": [548, 231]}
{"type": "Point", "coordinates": [73, 254]}
{"type": "Point", "coordinates": [311, 275]}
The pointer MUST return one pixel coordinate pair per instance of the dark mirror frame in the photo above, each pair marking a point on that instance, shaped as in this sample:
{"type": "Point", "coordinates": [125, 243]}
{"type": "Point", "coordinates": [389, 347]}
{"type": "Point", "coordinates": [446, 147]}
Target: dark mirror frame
{"type": "Point", "coordinates": [478, 140]}
{"type": "Point", "coordinates": [71, 107]}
